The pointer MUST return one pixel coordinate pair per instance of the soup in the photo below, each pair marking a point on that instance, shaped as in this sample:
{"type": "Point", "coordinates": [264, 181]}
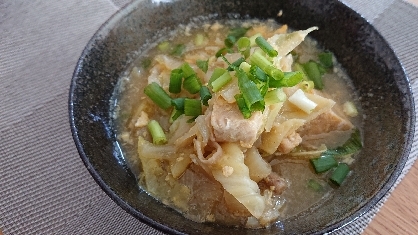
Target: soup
{"type": "Point", "coordinates": [241, 123]}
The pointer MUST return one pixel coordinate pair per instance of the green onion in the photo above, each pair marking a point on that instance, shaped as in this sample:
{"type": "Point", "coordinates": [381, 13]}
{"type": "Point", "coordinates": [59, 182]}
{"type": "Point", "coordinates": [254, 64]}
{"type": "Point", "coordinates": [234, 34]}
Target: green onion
{"type": "Point", "coordinates": [340, 173]}
{"type": "Point", "coordinates": [325, 58]}
{"type": "Point", "coordinates": [203, 65]}
{"type": "Point", "coordinates": [252, 39]}
{"type": "Point", "coordinates": [178, 50]}
{"type": "Point", "coordinates": [242, 106]}
{"type": "Point", "coordinates": [176, 78]}
{"type": "Point", "coordinates": [274, 96]}
{"type": "Point", "coordinates": [245, 66]}
{"type": "Point", "coordinates": [219, 79]}
{"type": "Point", "coordinates": [205, 95]}
{"type": "Point", "coordinates": [175, 114]}
{"type": "Point", "coordinates": [199, 40]}
{"type": "Point", "coordinates": [192, 84]}
{"type": "Point", "coordinates": [244, 46]}
{"type": "Point", "coordinates": [164, 46]}
{"type": "Point", "coordinates": [290, 79]}
{"type": "Point", "coordinates": [259, 60]}
{"type": "Point", "coordinates": [313, 73]}
{"type": "Point", "coordinates": [145, 63]}
{"type": "Point", "coordinates": [192, 107]}
{"type": "Point", "coordinates": [187, 70]}
{"type": "Point", "coordinates": [258, 73]}
{"type": "Point", "coordinates": [306, 86]}
{"type": "Point", "coordinates": [315, 185]}
{"type": "Point", "coordinates": [230, 41]}
{"type": "Point", "coordinates": [352, 145]}
{"type": "Point", "coordinates": [323, 163]}
{"type": "Point", "coordinates": [250, 92]}
{"type": "Point", "coordinates": [265, 46]}
{"type": "Point", "coordinates": [157, 94]}
{"type": "Point", "coordinates": [236, 63]}
{"type": "Point", "coordinates": [178, 103]}
{"type": "Point", "coordinates": [223, 51]}
{"type": "Point", "coordinates": [299, 67]}
{"type": "Point", "coordinates": [157, 133]}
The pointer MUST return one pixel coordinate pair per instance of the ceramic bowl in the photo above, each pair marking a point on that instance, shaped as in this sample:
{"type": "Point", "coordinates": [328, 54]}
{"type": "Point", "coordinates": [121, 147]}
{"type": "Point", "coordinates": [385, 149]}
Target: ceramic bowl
{"type": "Point", "coordinates": [373, 66]}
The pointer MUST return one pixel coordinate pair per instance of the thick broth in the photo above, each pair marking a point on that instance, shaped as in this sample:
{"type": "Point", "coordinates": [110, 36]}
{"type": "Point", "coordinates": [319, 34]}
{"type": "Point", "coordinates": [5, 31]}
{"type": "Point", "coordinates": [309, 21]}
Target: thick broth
{"type": "Point", "coordinates": [196, 193]}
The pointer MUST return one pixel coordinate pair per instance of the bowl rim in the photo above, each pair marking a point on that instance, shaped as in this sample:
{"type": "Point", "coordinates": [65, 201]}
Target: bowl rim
{"type": "Point", "coordinates": [105, 28]}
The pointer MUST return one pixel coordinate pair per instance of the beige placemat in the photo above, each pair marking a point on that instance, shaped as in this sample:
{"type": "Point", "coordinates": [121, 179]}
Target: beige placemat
{"type": "Point", "coordinates": [44, 186]}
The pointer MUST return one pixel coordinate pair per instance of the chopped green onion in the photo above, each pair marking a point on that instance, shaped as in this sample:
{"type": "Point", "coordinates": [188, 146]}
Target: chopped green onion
{"type": "Point", "coordinates": [176, 78]}
{"type": "Point", "coordinates": [164, 46]}
{"type": "Point", "coordinates": [340, 173]}
{"type": "Point", "coordinates": [323, 163]}
{"type": "Point", "coordinates": [245, 66]}
{"type": "Point", "coordinates": [205, 95]}
{"type": "Point", "coordinates": [192, 84]}
{"type": "Point", "coordinates": [244, 46]}
{"type": "Point", "coordinates": [265, 46]}
{"type": "Point", "coordinates": [230, 41]}
{"type": "Point", "coordinates": [157, 133]}
{"type": "Point", "coordinates": [325, 58]}
{"type": "Point", "coordinates": [315, 185]}
{"type": "Point", "coordinates": [350, 109]}
{"type": "Point", "coordinates": [259, 60]}
{"type": "Point", "coordinates": [178, 103]}
{"type": "Point", "coordinates": [242, 106]}
{"type": "Point", "coordinates": [252, 39]}
{"type": "Point", "coordinates": [187, 70]}
{"type": "Point", "coordinates": [199, 40]}
{"type": "Point", "coordinates": [219, 79]}
{"type": "Point", "coordinates": [299, 67]}
{"type": "Point", "coordinates": [313, 73]}
{"type": "Point", "coordinates": [192, 107]}
{"type": "Point", "coordinates": [236, 63]}
{"type": "Point", "coordinates": [306, 86]}
{"type": "Point", "coordinates": [250, 92]}
{"type": "Point", "coordinates": [175, 114]}
{"type": "Point", "coordinates": [203, 65]}
{"type": "Point", "coordinates": [223, 51]}
{"type": "Point", "coordinates": [258, 73]}
{"type": "Point", "coordinates": [178, 50]}
{"type": "Point", "coordinates": [145, 63]}
{"type": "Point", "coordinates": [157, 94]}
{"type": "Point", "coordinates": [274, 96]}
{"type": "Point", "coordinates": [352, 145]}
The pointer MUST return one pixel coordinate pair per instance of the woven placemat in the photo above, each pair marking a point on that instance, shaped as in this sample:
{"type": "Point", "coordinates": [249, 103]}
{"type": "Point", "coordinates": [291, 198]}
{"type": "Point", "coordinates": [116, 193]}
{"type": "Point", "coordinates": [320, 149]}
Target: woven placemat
{"type": "Point", "coordinates": [44, 186]}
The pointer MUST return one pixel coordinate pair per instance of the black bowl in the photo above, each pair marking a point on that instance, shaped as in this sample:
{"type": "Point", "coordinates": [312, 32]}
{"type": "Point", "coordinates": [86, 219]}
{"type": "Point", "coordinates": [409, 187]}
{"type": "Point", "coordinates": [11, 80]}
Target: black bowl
{"type": "Point", "coordinates": [377, 74]}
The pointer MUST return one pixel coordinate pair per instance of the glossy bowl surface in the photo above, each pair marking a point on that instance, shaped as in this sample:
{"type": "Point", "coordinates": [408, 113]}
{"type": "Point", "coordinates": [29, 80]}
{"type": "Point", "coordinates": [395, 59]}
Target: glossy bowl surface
{"type": "Point", "coordinates": [377, 74]}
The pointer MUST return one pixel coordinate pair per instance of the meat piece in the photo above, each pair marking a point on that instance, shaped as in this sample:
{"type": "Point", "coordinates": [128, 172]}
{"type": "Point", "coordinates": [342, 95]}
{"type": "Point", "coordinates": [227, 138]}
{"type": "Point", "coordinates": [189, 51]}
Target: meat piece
{"type": "Point", "coordinates": [274, 182]}
{"type": "Point", "coordinates": [289, 143]}
{"type": "Point", "coordinates": [324, 123]}
{"type": "Point", "coordinates": [230, 126]}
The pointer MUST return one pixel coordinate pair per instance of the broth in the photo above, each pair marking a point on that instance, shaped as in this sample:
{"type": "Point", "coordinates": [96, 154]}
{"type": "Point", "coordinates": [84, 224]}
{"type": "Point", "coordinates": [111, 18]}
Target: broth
{"type": "Point", "coordinates": [200, 185]}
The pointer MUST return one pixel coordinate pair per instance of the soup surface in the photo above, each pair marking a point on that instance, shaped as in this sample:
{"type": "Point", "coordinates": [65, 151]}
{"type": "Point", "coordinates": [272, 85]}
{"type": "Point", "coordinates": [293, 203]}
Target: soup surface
{"type": "Point", "coordinates": [242, 123]}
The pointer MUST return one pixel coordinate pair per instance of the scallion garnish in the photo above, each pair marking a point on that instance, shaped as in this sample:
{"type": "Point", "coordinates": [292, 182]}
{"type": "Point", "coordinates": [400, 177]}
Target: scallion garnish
{"type": "Point", "coordinates": [192, 107]}
{"type": "Point", "coordinates": [223, 51]}
{"type": "Point", "coordinates": [205, 95]}
{"type": "Point", "coordinates": [323, 163]}
{"type": "Point", "coordinates": [352, 145]}
{"type": "Point", "coordinates": [325, 58]}
{"type": "Point", "coordinates": [164, 46]}
{"type": "Point", "coordinates": [157, 94]}
{"type": "Point", "coordinates": [265, 46]}
{"type": "Point", "coordinates": [244, 45]}
{"type": "Point", "coordinates": [178, 50]}
{"type": "Point", "coordinates": [203, 65]}
{"type": "Point", "coordinates": [157, 133]}
{"type": "Point", "coordinates": [242, 106]}
{"type": "Point", "coordinates": [178, 103]}
{"type": "Point", "coordinates": [250, 92]}
{"type": "Point", "coordinates": [219, 78]}
{"type": "Point", "coordinates": [236, 63]}
{"type": "Point", "coordinates": [259, 60]}
{"type": "Point", "coordinates": [274, 96]}
{"type": "Point", "coordinates": [313, 73]}
{"type": "Point", "coordinates": [315, 185]}
{"type": "Point", "coordinates": [340, 173]}
{"type": "Point", "coordinates": [187, 70]}
{"type": "Point", "coordinates": [176, 78]}
{"type": "Point", "coordinates": [290, 79]}
{"type": "Point", "coordinates": [192, 84]}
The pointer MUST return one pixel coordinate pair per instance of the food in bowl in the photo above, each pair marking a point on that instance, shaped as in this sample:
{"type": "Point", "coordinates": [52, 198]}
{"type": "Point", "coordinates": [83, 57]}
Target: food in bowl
{"type": "Point", "coordinates": [242, 123]}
